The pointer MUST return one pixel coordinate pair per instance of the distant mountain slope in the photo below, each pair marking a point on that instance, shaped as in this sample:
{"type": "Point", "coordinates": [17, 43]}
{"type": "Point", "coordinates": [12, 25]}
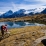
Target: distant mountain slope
{"type": "Point", "coordinates": [44, 11]}
{"type": "Point", "coordinates": [22, 12]}
{"type": "Point", "coordinates": [8, 13]}
{"type": "Point", "coordinates": [19, 13]}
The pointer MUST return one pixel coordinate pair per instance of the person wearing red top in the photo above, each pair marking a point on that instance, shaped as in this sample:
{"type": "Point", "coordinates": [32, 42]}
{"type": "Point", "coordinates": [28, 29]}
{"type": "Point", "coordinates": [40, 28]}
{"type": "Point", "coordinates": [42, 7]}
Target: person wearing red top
{"type": "Point", "coordinates": [3, 29]}
{"type": "Point", "coordinates": [6, 30]}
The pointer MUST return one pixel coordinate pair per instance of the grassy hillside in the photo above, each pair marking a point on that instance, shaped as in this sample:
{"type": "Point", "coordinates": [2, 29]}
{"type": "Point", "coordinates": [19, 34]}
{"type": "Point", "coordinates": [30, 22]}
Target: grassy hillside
{"type": "Point", "coordinates": [39, 17]}
{"type": "Point", "coordinates": [23, 36]}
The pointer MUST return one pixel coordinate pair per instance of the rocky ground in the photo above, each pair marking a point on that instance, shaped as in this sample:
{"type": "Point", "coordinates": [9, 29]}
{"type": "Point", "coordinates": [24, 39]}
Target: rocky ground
{"type": "Point", "coordinates": [26, 36]}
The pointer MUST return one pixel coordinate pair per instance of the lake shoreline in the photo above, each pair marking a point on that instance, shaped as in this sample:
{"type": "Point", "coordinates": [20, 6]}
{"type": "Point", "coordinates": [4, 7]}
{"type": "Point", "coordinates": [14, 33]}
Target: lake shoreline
{"type": "Point", "coordinates": [36, 18]}
{"type": "Point", "coordinates": [20, 24]}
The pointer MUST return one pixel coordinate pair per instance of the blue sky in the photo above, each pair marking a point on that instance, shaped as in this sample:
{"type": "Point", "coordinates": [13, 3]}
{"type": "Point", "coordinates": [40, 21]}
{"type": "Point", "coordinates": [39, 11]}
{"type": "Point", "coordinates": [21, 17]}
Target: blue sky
{"type": "Point", "coordinates": [15, 5]}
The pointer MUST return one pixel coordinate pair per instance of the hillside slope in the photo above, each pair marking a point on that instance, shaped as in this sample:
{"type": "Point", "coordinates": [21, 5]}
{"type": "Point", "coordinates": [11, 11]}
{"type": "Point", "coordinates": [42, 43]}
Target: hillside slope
{"type": "Point", "coordinates": [23, 36]}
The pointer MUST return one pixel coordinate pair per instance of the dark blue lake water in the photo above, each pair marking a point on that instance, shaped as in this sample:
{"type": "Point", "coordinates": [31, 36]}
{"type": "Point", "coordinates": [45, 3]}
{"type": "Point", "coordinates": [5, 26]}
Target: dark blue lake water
{"type": "Point", "coordinates": [19, 24]}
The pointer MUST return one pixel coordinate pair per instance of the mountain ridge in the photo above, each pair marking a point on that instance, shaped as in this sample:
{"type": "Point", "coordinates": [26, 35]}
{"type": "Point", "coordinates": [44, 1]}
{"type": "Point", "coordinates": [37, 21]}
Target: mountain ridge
{"type": "Point", "coordinates": [21, 13]}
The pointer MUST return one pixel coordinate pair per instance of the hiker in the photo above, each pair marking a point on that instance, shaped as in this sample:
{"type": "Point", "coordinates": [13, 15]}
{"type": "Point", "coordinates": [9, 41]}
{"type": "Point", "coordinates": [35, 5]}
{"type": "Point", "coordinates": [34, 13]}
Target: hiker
{"type": "Point", "coordinates": [6, 30]}
{"type": "Point", "coordinates": [2, 30]}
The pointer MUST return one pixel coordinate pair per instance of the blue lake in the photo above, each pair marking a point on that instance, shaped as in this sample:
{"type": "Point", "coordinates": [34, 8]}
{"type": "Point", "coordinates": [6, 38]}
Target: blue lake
{"type": "Point", "coordinates": [19, 24]}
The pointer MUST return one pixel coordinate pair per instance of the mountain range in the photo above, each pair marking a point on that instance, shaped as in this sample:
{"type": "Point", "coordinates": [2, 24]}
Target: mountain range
{"type": "Point", "coordinates": [21, 13]}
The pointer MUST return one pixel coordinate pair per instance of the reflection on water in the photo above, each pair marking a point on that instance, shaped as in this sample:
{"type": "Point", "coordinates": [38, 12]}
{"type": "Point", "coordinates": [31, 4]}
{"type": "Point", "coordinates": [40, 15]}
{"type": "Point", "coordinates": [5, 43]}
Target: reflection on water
{"type": "Point", "coordinates": [9, 23]}
{"type": "Point", "coordinates": [19, 24]}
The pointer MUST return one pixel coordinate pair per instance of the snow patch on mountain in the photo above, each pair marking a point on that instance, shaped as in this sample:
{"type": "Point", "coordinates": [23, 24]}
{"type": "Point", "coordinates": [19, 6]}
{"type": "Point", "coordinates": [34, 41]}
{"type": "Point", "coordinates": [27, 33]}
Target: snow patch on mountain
{"type": "Point", "coordinates": [36, 10]}
{"type": "Point", "coordinates": [9, 12]}
{"type": "Point", "coordinates": [22, 12]}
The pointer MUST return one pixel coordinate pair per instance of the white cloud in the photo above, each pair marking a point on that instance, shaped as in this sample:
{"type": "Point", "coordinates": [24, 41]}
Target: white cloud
{"type": "Point", "coordinates": [40, 2]}
{"type": "Point", "coordinates": [36, 0]}
{"type": "Point", "coordinates": [14, 7]}
{"type": "Point", "coordinates": [1, 13]}
{"type": "Point", "coordinates": [5, 9]}
{"type": "Point", "coordinates": [25, 6]}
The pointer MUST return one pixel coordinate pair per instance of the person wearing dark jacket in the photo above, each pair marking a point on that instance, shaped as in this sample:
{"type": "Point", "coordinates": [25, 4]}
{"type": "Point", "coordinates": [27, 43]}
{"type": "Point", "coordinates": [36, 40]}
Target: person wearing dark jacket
{"type": "Point", "coordinates": [2, 30]}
